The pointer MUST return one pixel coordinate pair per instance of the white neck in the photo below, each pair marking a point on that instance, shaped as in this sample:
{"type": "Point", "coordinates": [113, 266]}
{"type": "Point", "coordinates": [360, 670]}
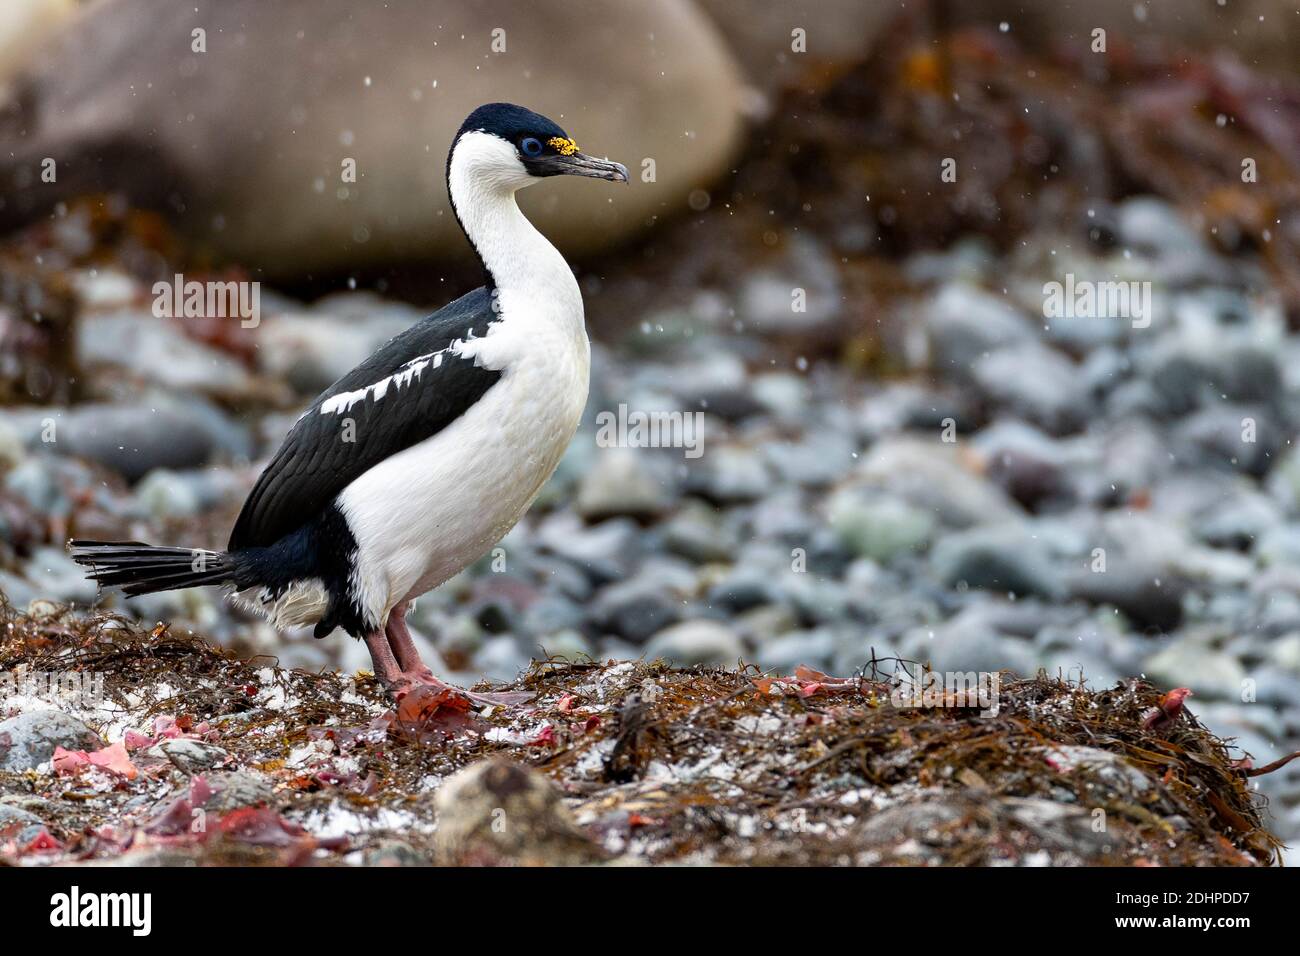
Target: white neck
{"type": "Point", "coordinates": [483, 176]}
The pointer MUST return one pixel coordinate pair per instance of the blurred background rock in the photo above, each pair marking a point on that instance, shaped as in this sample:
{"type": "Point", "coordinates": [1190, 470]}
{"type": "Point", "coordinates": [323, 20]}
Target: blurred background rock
{"type": "Point", "coordinates": [243, 143]}
{"type": "Point", "coordinates": [827, 519]}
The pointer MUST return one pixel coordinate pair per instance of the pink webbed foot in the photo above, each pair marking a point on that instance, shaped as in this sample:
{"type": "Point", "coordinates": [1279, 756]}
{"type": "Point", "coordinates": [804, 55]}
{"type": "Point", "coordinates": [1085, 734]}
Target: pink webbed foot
{"type": "Point", "coordinates": [400, 669]}
{"type": "Point", "coordinates": [426, 682]}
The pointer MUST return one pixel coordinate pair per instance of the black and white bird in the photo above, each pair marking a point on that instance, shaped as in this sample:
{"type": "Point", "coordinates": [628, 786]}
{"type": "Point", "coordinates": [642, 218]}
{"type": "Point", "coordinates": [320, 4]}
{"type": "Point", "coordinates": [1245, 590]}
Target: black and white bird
{"type": "Point", "coordinates": [414, 464]}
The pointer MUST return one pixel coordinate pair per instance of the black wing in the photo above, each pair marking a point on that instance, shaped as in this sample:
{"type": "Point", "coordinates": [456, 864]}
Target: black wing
{"type": "Point", "coordinates": [324, 452]}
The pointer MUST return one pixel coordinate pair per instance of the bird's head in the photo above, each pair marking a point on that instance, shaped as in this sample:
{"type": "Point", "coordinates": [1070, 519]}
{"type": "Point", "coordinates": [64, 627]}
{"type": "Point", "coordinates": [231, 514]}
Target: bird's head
{"type": "Point", "coordinates": [509, 147]}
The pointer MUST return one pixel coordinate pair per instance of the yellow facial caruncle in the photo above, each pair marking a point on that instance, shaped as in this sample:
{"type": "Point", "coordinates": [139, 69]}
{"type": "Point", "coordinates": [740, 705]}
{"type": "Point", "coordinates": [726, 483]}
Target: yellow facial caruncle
{"type": "Point", "coordinates": [565, 147]}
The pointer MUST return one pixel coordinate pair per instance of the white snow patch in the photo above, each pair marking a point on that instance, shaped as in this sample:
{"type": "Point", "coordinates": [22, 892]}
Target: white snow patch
{"type": "Point", "coordinates": [337, 820]}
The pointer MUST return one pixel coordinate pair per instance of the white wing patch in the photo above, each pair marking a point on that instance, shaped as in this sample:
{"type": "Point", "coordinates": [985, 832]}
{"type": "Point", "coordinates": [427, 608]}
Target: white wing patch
{"type": "Point", "coordinates": [342, 403]}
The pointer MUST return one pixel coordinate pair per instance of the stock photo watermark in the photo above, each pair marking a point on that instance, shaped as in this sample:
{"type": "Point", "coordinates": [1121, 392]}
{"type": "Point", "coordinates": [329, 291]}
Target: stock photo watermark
{"type": "Point", "coordinates": [1087, 299]}
{"type": "Point", "coordinates": [76, 908]}
{"type": "Point", "coordinates": [192, 299]}
{"type": "Point", "coordinates": [658, 429]}
{"type": "Point", "coordinates": [83, 688]}
{"type": "Point", "coordinates": [956, 689]}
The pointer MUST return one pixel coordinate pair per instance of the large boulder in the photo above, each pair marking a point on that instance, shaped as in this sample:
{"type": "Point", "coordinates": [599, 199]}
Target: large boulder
{"type": "Point", "coordinates": [24, 25]}
{"type": "Point", "coordinates": [245, 143]}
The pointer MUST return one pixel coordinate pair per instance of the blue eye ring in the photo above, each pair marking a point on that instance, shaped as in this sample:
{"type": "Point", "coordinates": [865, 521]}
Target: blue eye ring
{"type": "Point", "coordinates": [531, 146]}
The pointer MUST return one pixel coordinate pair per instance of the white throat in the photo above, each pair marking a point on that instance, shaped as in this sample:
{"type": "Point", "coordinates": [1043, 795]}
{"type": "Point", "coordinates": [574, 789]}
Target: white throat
{"type": "Point", "coordinates": [483, 177]}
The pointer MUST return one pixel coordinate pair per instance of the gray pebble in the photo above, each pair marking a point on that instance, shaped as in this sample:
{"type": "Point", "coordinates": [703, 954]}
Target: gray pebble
{"type": "Point", "coordinates": [30, 739]}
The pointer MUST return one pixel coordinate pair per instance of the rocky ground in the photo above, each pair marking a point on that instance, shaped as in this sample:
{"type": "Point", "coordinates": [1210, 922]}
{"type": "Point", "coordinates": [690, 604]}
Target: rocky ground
{"type": "Point", "coordinates": [920, 465]}
{"type": "Point", "coordinates": [187, 756]}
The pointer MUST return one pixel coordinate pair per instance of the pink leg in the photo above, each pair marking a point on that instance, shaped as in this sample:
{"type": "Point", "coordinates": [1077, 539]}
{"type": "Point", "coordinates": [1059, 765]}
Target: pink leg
{"type": "Point", "coordinates": [399, 668]}
{"type": "Point", "coordinates": [399, 639]}
{"type": "Point", "coordinates": [387, 669]}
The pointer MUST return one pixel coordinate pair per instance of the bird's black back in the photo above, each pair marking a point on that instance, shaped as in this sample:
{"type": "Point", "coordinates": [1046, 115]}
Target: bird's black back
{"type": "Point", "coordinates": [324, 453]}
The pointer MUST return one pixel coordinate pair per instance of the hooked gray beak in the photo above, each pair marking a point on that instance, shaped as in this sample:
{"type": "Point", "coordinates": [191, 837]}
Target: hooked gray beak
{"type": "Point", "coordinates": [578, 164]}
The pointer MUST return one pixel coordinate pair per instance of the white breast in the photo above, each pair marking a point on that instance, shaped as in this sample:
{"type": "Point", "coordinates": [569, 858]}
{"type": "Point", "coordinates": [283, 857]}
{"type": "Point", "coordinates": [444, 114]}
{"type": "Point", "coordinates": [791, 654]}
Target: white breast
{"type": "Point", "coordinates": [426, 513]}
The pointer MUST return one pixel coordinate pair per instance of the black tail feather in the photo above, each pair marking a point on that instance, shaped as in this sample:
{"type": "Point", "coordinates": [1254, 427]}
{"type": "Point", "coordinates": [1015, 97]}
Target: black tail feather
{"type": "Point", "coordinates": [138, 568]}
